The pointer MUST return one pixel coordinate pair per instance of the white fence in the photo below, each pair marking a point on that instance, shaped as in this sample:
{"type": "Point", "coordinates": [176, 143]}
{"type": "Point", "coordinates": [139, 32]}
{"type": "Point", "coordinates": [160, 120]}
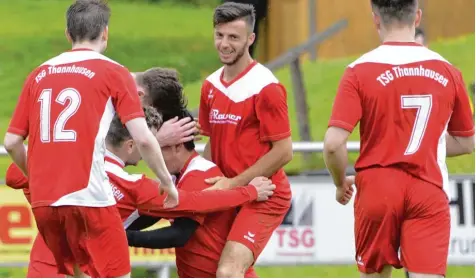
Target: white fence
{"type": "Point", "coordinates": [303, 146]}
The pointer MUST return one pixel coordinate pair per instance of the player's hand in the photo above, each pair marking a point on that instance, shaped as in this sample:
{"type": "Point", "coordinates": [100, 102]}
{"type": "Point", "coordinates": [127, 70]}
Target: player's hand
{"type": "Point", "coordinates": [345, 192]}
{"type": "Point", "coordinates": [264, 187]}
{"type": "Point", "coordinates": [176, 131]}
{"type": "Point", "coordinates": [219, 183]}
{"type": "Point", "coordinates": [172, 198]}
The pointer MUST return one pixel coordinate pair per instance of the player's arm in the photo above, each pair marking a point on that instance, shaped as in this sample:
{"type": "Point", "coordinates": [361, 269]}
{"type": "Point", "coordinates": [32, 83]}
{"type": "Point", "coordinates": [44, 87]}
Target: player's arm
{"type": "Point", "coordinates": [143, 222]}
{"type": "Point", "coordinates": [346, 113]}
{"type": "Point", "coordinates": [128, 106]}
{"type": "Point", "coordinates": [272, 112]}
{"type": "Point", "coordinates": [460, 136]}
{"type": "Point", "coordinates": [175, 235]}
{"type": "Point", "coordinates": [14, 178]}
{"type": "Point", "coordinates": [149, 202]}
{"type": "Point", "coordinates": [19, 126]}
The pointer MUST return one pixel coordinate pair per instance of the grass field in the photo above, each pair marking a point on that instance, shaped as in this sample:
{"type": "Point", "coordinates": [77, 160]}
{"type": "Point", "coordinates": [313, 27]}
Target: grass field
{"type": "Point", "coordinates": [317, 271]}
{"type": "Point", "coordinates": [143, 36]}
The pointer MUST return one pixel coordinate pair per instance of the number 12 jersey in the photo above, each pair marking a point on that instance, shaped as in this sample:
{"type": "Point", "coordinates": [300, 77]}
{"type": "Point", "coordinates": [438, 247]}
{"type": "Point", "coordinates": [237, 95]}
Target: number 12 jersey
{"type": "Point", "coordinates": [65, 110]}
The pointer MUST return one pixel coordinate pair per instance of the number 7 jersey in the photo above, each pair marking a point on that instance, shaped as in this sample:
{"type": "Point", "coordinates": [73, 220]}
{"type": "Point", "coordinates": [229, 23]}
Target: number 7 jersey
{"type": "Point", "coordinates": [406, 98]}
{"type": "Point", "coordinates": [65, 109]}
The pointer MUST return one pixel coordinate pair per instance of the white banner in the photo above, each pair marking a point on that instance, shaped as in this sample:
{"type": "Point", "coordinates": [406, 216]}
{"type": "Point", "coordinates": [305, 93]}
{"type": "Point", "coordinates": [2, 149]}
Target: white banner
{"type": "Point", "coordinates": [319, 230]}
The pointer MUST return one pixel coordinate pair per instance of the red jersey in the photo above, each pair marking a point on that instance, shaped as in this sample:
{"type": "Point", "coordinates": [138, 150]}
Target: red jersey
{"type": "Point", "coordinates": [137, 191]}
{"type": "Point", "coordinates": [201, 253]}
{"type": "Point", "coordinates": [138, 195]}
{"type": "Point", "coordinates": [65, 110]}
{"type": "Point", "coordinates": [406, 98]}
{"type": "Point", "coordinates": [242, 117]}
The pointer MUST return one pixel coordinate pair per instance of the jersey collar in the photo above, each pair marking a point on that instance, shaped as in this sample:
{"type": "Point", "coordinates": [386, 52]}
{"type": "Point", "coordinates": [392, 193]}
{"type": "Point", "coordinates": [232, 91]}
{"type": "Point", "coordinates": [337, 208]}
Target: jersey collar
{"type": "Point", "coordinates": [390, 43]}
{"type": "Point", "coordinates": [112, 158]}
{"type": "Point", "coordinates": [80, 49]}
{"type": "Point", "coordinates": [240, 75]}
{"type": "Point", "coordinates": [187, 163]}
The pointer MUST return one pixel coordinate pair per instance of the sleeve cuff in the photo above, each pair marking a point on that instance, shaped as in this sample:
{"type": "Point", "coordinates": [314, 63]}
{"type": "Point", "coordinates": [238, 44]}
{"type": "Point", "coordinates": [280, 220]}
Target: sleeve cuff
{"type": "Point", "coordinates": [129, 117]}
{"type": "Point", "coordinates": [276, 137]}
{"type": "Point", "coordinates": [17, 131]}
{"type": "Point", "coordinates": [341, 124]}
{"type": "Point", "coordinates": [252, 192]}
{"type": "Point", "coordinates": [469, 133]}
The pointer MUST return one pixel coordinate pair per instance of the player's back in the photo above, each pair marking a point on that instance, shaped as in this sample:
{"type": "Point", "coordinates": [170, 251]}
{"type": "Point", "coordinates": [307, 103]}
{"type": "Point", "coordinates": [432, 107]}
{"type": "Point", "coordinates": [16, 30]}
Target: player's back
{"type": "Point", "coordinates": [202, 251]}
{"type": "Point", "coordinates": [407, 94]}
{"type": "Point", "coordinates": [71, 104]}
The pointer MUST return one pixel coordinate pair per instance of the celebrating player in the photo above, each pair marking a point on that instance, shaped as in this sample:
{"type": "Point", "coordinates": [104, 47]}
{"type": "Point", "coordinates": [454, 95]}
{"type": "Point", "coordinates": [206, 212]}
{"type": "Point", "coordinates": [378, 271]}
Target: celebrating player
{"type": "Point", "coordinates": [133, 191]}
{"type": "Point", "coordinates": [413, 111]}
{"type": "Point", "coordinates": [243, 110]}
{"type": "Point", "coordinates": [190, 235]}
{"type": "Point", "coordinates": [65, 107]}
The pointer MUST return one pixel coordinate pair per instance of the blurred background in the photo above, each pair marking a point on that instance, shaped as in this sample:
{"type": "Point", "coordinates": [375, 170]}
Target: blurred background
{"type": "Point", "coordinates": [307, 43]}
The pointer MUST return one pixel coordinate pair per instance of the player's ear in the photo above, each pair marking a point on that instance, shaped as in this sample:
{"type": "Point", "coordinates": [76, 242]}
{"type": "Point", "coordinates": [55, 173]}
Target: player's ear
{"type": "Point", "coordinates": [251, 38]}
{"type": "Point", "coordinates": [68, 36]}
{"type": "Point", "coordinates": [376, 19]}
{"type": "Point", "coordinates": [105, 34]}
{"type": "Point", "coordinates": [418, 16]}
{"type": "Point", "coordinates": [130, 145]}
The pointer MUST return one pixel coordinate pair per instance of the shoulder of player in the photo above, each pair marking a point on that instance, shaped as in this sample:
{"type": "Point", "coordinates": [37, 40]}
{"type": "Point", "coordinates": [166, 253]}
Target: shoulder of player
{"type": "Point", "coordinates": [70, 57]}
{"type": "Point", "coordinates": [115, 171]}
{"type": "Point", "coordinates": [257, 78]}
{"type": "Point", "coordinates": [200, 167]}
{"type": "Point", "coordinates": [397, 55]}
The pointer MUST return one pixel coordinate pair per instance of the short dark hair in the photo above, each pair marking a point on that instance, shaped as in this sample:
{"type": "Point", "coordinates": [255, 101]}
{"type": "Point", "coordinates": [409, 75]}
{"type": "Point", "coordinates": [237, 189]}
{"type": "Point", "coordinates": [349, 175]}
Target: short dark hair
{"type": "Point", "coordinates": [164, 90]}
{"type": "Point", "coordinates": [86, 19]}
{"type": "Point", "coordinates": [231, 11]}
{"type": "Point", "coordinates": [118, 133]}
{"type": "Point", "coordinates": [184, 113]}
{"type": "Point", "coordinates": [401, 11]}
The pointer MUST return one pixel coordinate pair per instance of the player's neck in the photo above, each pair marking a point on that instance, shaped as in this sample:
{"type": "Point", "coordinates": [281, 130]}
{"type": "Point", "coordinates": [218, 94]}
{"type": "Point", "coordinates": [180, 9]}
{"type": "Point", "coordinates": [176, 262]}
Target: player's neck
{"type": "Point", "coordinates": [117, 153]}
{"type": "Point", "coordinates": [184, 159]}
{"type": "Point", "coordinates": [230, 72]}
{"type": "Point", "coordinates": [87, 45]}
{"type": "Point", "coordinates": [398, 34]}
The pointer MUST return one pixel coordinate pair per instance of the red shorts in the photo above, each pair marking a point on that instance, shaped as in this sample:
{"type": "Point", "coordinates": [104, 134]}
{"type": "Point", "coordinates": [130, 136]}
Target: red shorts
{"type": "Point", "coordinates": [256, 221]}
{"type": "Point", "coordinates": [42, 263]}
{"type": "Point", "coordinates": [183, 273]}
{"type": "Point", "coordinates": [85, 236]}
{"type": "Point", "coordinates": [394, 210]}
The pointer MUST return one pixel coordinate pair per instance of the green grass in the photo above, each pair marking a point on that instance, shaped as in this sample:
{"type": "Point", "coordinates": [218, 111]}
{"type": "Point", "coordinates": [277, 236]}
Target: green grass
{"type": "Point", "coordinates": [315, 271]}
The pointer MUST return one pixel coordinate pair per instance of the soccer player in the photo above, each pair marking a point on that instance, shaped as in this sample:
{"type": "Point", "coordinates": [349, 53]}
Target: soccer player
{"type": "Point", "coordinates": [413, 110]}
{"type": "Point", "coordinates": [244, 113]}
{"type": "Point", "coordinates": [161, 88]}
{"type": "Point", "coordinates": [133, 191]}
{"type": "Point", "coordinates": [199, 238]}
{"type": "Point", "coordinates": [65, 109]}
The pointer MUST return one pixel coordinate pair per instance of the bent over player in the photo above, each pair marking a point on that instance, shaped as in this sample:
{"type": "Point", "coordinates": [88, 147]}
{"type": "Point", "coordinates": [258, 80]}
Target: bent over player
{"type": "Point", "coordinates": [414, 112]}
{"type": "Point", "coordinates": [66, 107]}
{"type": "Point", "coordinates": [199, 238]}
{"type": "Point", "coordinates": [243, 110]}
